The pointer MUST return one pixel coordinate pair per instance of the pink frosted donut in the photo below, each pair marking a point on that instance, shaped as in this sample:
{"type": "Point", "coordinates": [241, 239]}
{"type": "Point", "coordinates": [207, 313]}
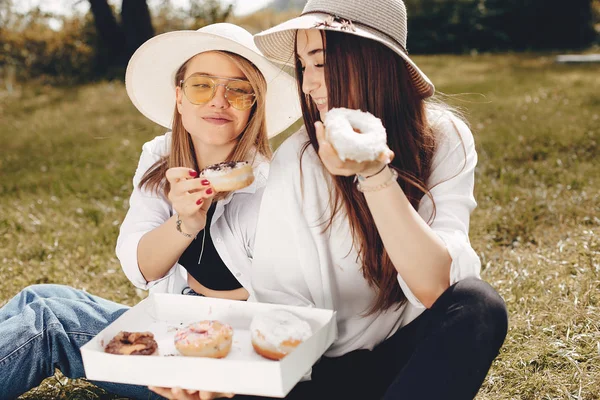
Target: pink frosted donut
{"type": "Point", "coordinates": [277, 333]}
{"type": "Point", "coordinates": [204, 339]}
{"type": "Point", "coordinates": [355, 135]}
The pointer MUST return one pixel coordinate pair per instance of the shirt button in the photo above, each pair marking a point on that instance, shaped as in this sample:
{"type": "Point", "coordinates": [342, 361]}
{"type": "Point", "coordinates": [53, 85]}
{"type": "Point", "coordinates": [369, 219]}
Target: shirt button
{"type": "Point", "coordinates": [237, 275]}
{"type": "Point", "coordinates": [219, 240]}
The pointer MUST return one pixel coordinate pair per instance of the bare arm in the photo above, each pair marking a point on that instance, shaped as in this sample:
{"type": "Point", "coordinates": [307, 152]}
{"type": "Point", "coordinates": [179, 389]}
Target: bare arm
{"type": "Point", "coordinates": [418, 254]}
{"type": "Point", "coordinates": [160, 248]}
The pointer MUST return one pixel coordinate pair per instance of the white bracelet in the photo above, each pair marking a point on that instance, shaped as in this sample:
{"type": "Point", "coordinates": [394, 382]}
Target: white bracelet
{"type": "Point", "coordinates": [385, 184]}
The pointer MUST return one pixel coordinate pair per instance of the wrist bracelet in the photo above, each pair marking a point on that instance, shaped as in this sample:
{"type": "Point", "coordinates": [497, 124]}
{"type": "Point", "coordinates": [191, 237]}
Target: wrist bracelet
{"type": "Point", "coordinates": [385, 184]}
{"type": "Point", "coordinates": [362, 178]}
{"type": "Point", "coordinates": [187, 235]}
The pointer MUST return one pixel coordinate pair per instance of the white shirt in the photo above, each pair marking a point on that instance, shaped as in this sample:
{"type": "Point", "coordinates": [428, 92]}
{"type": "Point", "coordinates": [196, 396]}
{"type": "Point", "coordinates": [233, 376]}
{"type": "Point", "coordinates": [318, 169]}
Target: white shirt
{"type": "Point", "coordinates": [232, 227]}
{"type": "Point", "coordinates": [296, 263]}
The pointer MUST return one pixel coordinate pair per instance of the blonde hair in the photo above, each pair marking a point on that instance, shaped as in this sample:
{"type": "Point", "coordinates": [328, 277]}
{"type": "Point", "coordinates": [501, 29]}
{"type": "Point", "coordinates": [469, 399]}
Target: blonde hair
{"type": "Point", "coordinates": [252, 140]}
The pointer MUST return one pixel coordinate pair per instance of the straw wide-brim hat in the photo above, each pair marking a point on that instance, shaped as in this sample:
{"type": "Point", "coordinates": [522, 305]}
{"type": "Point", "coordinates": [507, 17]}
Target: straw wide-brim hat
{"type": "Point", "coordinates": [150, 76]}
{"type": "Point", "coordinates": [381, 20]}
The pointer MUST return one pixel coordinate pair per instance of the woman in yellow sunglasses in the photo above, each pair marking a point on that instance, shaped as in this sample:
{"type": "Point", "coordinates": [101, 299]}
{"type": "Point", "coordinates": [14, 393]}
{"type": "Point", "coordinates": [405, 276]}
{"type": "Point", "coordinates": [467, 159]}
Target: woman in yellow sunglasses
{"type": "Point", "coordinates": [209, 88]}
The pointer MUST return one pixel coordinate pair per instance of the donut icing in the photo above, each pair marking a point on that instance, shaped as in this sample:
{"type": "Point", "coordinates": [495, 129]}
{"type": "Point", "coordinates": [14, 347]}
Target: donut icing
{"type": "Point", "coordinates": [367, 144]}
{"type": "Point", "coordinates": [204, 339]}
{"type": "Point", "coordinates": [222, 168]}
{"type": "Point", "coordinates": [229, 176]}
{"type": "Point", "coordinates": [276, 333]}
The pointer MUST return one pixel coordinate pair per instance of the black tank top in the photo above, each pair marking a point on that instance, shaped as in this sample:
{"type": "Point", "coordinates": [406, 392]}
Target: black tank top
{"type": "Point", "coordinates": [211, 271]}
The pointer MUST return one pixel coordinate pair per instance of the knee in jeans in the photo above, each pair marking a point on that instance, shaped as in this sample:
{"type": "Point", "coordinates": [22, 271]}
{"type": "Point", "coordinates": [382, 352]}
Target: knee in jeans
{"type": "Point", "coordinates": [34, 292]}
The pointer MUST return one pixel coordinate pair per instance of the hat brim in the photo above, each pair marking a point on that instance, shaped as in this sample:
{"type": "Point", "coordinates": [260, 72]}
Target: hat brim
{"type": "Point", "coordinates": [150, 77]}
{"type": "Point", "coordinates": [277, 44]}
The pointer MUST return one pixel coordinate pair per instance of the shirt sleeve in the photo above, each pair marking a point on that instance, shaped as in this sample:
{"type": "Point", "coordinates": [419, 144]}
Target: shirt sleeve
{"type": "Point", "coordinates": [147, 211]}
{"type": "Point", "coordinates": [451, 184]}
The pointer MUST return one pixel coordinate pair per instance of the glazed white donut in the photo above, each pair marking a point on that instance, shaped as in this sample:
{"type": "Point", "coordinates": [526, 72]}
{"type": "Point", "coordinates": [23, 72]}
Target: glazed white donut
{"type": "Point", "coordinates": [204, 339]}
{"type": "Point", "coordinates": [229, 176]}
{"type": "Point", "coordinates": [277, 333]}
{"type": "Point", "coordinates": [355, 135]}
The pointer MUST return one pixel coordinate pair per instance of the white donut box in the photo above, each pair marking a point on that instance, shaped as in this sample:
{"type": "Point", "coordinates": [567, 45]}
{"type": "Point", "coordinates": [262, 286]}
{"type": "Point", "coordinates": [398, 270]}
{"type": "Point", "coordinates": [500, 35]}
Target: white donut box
{"type": "Point", "coordinates": [241, 372]}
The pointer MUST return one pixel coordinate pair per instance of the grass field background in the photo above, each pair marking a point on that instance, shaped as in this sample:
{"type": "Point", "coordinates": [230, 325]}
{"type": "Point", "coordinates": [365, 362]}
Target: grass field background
{"type": "Point", "coordinates": [68, 156]}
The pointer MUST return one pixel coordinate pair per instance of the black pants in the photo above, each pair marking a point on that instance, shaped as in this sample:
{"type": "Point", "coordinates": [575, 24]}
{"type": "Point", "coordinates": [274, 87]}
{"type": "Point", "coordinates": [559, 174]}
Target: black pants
{"type": "Point", "coordinates": [444, 354]}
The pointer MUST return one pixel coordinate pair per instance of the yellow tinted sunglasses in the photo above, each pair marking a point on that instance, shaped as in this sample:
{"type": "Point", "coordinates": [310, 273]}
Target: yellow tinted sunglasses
{"type": "Point", "coordinates": [200, 89]}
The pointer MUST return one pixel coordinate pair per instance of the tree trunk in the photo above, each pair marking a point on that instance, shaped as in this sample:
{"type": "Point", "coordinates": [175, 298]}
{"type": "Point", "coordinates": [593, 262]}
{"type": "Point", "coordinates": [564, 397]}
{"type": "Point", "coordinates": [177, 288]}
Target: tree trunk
{"type": "Point", "coordinates": [110, 33]}
{"type": "Point", "coordinates": [119, 41]}
{"type": "Point", "coordinates": [137, 24]}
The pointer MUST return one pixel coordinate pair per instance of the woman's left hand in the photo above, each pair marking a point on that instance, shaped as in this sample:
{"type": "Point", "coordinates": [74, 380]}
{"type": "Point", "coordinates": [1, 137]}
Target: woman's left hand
{"type": "Point", "coordinates": [336, 166]}
{"type": "Point", "coordinates": [183, 394]}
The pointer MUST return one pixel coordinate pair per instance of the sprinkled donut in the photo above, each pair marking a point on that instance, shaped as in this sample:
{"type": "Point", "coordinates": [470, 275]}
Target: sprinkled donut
{"type": "Point", "coordinates": [277, 333]}
{"type": "Point", "coordinates": [204, 339]}
{"type": "Point", "coordinates": [229, 176]}
{"type": "Point", "coordinates": [355, 135]}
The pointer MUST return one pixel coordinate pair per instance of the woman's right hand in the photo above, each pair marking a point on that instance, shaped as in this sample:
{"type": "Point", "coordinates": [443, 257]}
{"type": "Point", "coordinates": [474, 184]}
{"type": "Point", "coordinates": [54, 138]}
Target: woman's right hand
{"type": "Point", "coordinates": [190, 197]}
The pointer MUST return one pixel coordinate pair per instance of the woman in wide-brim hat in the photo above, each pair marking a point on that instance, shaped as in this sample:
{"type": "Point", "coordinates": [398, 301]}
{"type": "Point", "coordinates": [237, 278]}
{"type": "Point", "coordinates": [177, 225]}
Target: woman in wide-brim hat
{"type": "Point", "coordinates": [384, 243]}
{"type": "Point", "coordinates": [221, 100]}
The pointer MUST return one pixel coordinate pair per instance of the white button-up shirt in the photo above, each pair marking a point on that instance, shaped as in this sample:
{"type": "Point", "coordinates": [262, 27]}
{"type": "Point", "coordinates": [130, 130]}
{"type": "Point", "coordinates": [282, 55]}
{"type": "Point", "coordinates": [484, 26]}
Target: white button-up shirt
{"type": "Point", "coordinates": [232, 227]}
{"type": "Point", "coordinates": [296, 263]}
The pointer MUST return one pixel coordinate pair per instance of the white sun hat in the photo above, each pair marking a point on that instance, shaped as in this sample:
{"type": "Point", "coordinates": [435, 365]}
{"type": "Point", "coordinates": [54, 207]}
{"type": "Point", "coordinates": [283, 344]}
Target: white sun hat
{"type": "Point", "coordinates": [150, 76]}
{"type": "Point", "coordinates": [384, 21]}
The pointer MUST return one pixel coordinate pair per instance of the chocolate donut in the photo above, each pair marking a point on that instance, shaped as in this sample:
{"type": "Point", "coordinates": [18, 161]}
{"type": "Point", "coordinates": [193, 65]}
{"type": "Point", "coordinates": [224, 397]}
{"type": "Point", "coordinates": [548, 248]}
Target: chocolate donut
{"type": "Point", "coordinates": [132, 343]}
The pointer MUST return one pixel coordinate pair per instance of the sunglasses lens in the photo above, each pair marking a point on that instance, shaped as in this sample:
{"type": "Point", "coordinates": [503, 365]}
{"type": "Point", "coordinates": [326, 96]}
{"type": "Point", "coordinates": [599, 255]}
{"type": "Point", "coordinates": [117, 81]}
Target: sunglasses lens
{"type": "Point", "coordinates": [240, 94]}
{"type": "Point", "coordinates": [199, 89]}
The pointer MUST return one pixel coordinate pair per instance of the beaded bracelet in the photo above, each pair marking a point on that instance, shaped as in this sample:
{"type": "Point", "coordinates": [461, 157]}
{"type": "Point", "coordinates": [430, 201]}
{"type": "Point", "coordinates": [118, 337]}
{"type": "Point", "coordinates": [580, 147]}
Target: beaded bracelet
{"type": "Point", "coordinates": [385, 184]}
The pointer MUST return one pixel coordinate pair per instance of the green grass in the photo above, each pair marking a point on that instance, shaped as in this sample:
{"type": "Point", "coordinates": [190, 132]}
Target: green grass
{"type": "Point", "coordinates": [68, 155]}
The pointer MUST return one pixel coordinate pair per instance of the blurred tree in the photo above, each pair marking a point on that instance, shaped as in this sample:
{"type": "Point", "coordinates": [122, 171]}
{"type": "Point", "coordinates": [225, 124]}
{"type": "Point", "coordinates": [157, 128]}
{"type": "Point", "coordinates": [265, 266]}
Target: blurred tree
{"type": "Point", "coordinates": [264, 19]}
{"type": "Point", "coordinates": [287, 5]}
{"type": "Point", "coordinates": [541, 24]}
{"type": "Point", "coordinates": [5, 10]}
{"type": "Point", "coordinates": [208, 12]}
{"type": "Point", "coordinates": [463, 25]}
{"type": "Point", "coordinates": [119, 41]}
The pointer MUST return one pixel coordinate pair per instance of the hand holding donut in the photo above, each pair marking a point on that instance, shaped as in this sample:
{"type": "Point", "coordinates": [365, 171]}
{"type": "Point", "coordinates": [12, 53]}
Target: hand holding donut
{"type": "Point", "coordinates": [336, 166]}
{"type": "Point", "coordinates": [190, 198]}
{"type": "Point", "coordinates": [182, 394]}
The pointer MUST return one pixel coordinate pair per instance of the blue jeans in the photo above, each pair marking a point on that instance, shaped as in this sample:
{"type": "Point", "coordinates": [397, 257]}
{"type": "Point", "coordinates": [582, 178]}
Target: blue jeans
{"type": "Point", "coordinates": [43, 328]}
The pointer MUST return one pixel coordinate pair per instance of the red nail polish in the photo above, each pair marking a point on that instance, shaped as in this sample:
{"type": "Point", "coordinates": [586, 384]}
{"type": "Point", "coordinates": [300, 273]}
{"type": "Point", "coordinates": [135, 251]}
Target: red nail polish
{"type": "Point", "coordinates": [209, 191]}
{"type": "Point", "coordinates": [199, 201]}
{"type": "Point", "coordinates": [205, 182]}
{"type": "Point", "coordinates": [193, 173]}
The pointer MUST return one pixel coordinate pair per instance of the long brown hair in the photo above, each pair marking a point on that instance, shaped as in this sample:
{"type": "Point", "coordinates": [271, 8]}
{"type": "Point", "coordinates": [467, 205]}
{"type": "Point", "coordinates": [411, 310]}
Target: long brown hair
{"type": "Point", "coordinates": [376, 80]}
{"type": "Point", "coordinates": [253, 139]}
